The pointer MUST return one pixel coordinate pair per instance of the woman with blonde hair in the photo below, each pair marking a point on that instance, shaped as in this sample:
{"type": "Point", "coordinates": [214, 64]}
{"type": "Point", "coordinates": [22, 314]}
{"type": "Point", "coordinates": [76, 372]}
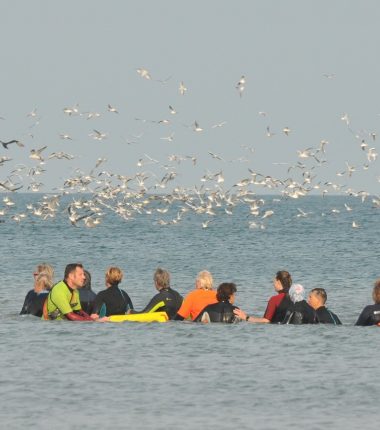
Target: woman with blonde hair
{"type": "Point", "coordinates": [43, 281]}
{"type": "Point", "coordinates": [112, 300]}
{"type": "Point", "coordinates": [198, 299]}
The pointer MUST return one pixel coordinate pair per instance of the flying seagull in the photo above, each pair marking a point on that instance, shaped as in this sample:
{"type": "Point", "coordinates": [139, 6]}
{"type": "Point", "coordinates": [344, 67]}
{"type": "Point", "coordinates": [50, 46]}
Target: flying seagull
{"type": "Point", "coordinates": [5, 144]}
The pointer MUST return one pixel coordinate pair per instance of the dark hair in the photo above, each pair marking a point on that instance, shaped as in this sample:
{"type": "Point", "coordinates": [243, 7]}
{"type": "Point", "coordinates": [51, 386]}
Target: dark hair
{"type": "Point", "coordinates": [376, 292]}
{"type": "Point", "coordinates": [71, 268]}
{"type": "Point", "coordinates": [321, 292]}
{"type": "Point", "coordinates": [87, 282]}
{"type": "Point", "coordinates": [286, 280]}
{"type": "Point", "coordinates": [225, 291]}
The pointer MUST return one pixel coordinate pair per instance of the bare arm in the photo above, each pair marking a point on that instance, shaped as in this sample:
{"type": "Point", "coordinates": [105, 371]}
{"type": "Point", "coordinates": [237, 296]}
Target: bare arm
{"type": "Point", "coordinates": [243, 316]}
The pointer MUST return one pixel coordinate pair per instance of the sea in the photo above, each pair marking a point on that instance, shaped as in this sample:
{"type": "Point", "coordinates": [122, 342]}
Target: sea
{"type": "Point", "coordinates": [184, 375]}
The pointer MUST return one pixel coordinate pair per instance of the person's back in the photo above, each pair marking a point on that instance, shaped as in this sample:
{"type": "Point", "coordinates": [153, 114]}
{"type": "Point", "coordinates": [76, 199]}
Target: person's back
{"type": "Point", "coordinates": [166, 300]}
{"type": "Point", "coordinates": [300, 313]}
{"type": "Point", "coordinates": [199, 298]}
{"type": "Point", "coordinates": [195, 302]}
{"type": "Point", "coordinates": [282, 310]}
{"type": "Point", "coordinates": [34, 302]}
{"type": "Point", "coordinates": [325, 316]}
{"type": "Point", "coordinates": [221, 312]}
{"type": "Point", "coordinates": [370, 315]}
{"type": "Point", "coordinates": [112, 301]}
{"type": "Point", "coordinates": [35, 299]}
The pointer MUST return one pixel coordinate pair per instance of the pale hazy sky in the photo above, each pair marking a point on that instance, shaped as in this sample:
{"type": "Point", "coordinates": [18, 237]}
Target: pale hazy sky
{"type": "Point", "coordinates": [57, 54]}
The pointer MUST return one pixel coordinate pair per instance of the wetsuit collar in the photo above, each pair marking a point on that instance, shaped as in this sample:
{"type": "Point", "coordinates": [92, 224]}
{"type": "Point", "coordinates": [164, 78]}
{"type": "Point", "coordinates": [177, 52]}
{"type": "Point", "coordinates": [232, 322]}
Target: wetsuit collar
{"type": "Point", "coordinates": [71, 289]}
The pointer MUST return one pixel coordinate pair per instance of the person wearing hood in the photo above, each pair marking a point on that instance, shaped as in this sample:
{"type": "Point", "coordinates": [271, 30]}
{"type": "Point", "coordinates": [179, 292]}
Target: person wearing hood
{"type": "Point", "coordinates": [300, 312]}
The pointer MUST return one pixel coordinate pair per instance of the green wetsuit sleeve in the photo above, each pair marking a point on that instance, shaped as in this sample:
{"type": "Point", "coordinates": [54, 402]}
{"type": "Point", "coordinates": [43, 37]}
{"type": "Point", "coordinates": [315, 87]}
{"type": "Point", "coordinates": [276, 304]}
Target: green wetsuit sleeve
{"type": "Point", "coordinates": [61, 300]}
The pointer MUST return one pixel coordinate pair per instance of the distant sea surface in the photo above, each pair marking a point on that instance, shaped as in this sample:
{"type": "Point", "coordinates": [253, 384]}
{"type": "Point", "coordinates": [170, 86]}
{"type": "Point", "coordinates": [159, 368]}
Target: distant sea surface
{"type": "Point", "coordinates": [182, 375]}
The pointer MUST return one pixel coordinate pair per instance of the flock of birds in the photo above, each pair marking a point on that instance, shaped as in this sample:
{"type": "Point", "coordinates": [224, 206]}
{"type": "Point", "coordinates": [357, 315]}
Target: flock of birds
{"type": "Point", "coordinates": [98, 192]}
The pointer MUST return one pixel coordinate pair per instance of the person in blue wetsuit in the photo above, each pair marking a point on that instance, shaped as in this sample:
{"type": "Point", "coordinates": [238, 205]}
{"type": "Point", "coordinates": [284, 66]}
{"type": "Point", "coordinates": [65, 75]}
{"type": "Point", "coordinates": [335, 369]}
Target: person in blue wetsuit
{"type": "Point", "coordinates": [223, 311]}
{"type": "Point", "coordinates": [112, 300]}
{"type": "Point", "coordinates": [370, 315]}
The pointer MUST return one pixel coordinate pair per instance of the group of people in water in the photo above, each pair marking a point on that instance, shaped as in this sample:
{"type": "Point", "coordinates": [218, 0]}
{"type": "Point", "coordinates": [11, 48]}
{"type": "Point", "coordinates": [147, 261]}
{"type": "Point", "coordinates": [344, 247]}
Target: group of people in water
{"type": "Point", "coordinates": [73, 299]}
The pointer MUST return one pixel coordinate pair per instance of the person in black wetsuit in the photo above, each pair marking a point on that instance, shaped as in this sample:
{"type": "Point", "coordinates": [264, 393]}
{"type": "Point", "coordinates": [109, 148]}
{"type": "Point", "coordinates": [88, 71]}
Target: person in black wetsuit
{"type": "Point", "coordinates": [223, 311]}
{"type": "Point", "coordinates": [34, 300]}
{"type": "Point", "coordinates": [87, 296]}
{"type": "Point", "coordinates": [166, 300]}
{"type": "Point", "coordinates": [371, 314]}
{"type": "Point", "coordinates": [300, 311]}
{"type": "Point", "coordinates": [112, 300]}
{"type": "Point", "coordinates": [317, 300]}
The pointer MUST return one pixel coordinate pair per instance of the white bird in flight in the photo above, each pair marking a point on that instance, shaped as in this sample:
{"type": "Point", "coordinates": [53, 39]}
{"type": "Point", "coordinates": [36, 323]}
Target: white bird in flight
{"type": "Point", "coordinates": [182, 89]}
{"type": "Point", "coordinates": [144, 73]}
{"type": "Point", "coordinates": [240, 86]}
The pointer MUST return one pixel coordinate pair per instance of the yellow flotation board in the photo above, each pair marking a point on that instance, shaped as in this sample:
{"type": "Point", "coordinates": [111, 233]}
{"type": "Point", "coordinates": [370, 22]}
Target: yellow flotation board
{"type": "Point", "coordinates": [146, 317]}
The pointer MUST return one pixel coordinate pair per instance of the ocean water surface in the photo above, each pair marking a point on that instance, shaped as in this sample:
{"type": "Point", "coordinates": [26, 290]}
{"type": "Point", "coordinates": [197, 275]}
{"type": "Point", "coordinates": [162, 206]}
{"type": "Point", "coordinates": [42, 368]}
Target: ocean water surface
{"type": "Point", "coordinates": [180, 374]}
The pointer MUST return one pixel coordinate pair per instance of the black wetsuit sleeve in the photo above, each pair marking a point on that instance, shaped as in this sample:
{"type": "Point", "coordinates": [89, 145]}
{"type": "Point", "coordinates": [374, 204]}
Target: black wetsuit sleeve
{"type": "Point", "coordinates": [98, 303]}
{"type": "Point", "coordinates": [337, 320]}
{"type": "Point", "coordinates": [364, 317]}
{"type": "Point", "coordinates": [28, 299]}
{"type": "Point", "coordinates": [24, 309]}
{"type": "Point", "coordinates": [153, 302]}
{"type": "Point", "coordinates": [178, 317]}
{"type": "Point", "coordinates": [128, 301]}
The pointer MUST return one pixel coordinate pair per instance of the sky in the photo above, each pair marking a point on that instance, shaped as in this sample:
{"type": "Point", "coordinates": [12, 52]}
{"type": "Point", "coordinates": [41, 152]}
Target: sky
{"type": "Point", "coordinates": [307, 64]}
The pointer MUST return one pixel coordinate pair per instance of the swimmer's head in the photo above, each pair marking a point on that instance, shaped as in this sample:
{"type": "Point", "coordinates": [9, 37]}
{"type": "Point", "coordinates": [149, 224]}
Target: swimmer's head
{"type": "Point", "coordinates": [204, 280]}
{"type": "Point", "coordinates": [45, 268]}
{"type": "Point", "coordinates": [161, 279]}
{"type": "Point", "coordinates": [376, 292]}
{"type": "Point", "coordinates": [282, 281]}
{"type": "Point", "coordinates": [114, 276]}
{"type": "Point", "coordinates": [297, 293]}
{"type": "Point", "coordinates": [317, 297]}
{"type": "Point", "coordinates": [225, 292]}
{"type": "Point", "coordinates": [42, 282]}
{"type": "Point", "coordinates": [87, 282]}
